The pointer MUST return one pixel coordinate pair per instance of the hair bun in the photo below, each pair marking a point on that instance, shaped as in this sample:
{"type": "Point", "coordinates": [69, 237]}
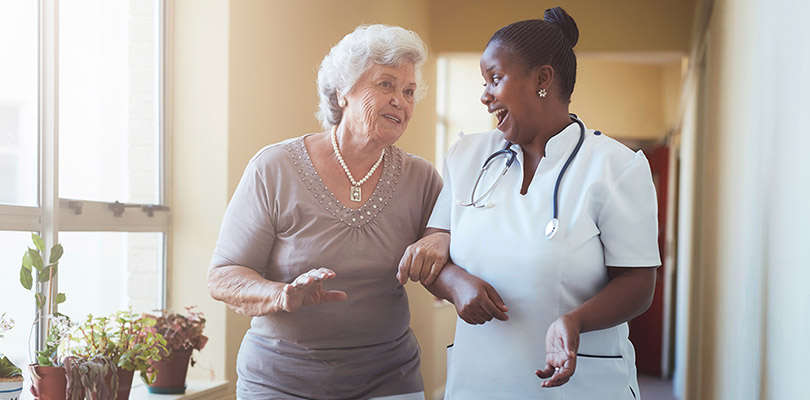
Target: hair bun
{"type": "Point", "coordinates": [559, 17]}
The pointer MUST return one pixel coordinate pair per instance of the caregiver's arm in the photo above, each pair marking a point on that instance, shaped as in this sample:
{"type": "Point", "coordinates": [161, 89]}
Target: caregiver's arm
{"type": "Point", "coordinates": [627, 294]}
{"type": "Point", "coordinates": [246, 292]}
{"type": "Point", "coordinates": [476, 301]}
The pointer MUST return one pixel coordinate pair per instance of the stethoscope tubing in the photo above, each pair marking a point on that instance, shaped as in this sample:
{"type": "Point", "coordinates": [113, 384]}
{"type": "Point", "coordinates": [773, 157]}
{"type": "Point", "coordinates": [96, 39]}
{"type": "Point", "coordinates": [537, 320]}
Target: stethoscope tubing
{"type": "Point", "coordinates": [551, 228]}
{"type": "Point", "coordinates": [565, 166]}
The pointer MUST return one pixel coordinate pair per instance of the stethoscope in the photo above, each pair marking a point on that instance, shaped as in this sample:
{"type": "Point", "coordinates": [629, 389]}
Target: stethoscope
{"type": "Point", "coordinates": [553, 225]}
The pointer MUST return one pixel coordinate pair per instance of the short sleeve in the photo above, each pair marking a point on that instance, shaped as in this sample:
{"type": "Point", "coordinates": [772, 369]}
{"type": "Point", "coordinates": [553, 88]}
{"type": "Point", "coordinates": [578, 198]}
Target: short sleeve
{"type": "Point", "coordinates": [434, 188]}
{"type": "Point", "coordinates": [440, 218]}
{"type": "Point", "coordinates": [628, 221]}
{"type": "Point", "coordinates": [247, 233]}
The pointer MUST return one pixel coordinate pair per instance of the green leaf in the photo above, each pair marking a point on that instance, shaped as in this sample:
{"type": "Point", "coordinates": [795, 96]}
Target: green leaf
{"type": "Point", "coordinates": [60, 298]}
{"type": "Point", "coordinates": [46, 272]}
{"type": "Point", "coordinates": [27, 262]}
{"type": "Point", "coordinates": [38, 242]}
{"type": "Point", "coordinates": [40, 300]}
{"type": "Point", "coordinates": [26, 279]}
{"type": "Point", "coordinates": [36, 259]}
{"type": "Point", "coordinates": [8, 369]}
{"type": "Point", "coordinates": [56, 253]}
{"type": "Point", "coordinates": [44, 361]}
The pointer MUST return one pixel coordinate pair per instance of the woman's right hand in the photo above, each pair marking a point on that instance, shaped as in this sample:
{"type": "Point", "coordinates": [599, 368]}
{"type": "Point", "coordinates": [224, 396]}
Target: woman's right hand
{"type": "Point", "coordinates": [307, 290]}
{"type": "Point", "coordinates": [476, 301]}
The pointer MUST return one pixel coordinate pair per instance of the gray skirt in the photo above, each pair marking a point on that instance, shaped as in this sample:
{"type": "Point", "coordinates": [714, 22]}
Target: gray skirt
{"type": "Point", "coordinates": [277, 369]}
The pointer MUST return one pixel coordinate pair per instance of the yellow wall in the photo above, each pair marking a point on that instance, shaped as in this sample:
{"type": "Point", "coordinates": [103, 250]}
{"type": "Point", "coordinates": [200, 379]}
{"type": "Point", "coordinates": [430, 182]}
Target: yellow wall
{"type": "Point", "coordinates": [625, 100]}
{"type": "Point", "coordinates": [616, 25]}
{"type": "Point", "coordinates": [198, 159]}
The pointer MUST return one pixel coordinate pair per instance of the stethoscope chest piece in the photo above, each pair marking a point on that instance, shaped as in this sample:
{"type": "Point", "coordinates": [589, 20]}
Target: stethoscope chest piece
{"type": "Point", "coordinates": [551, 228]}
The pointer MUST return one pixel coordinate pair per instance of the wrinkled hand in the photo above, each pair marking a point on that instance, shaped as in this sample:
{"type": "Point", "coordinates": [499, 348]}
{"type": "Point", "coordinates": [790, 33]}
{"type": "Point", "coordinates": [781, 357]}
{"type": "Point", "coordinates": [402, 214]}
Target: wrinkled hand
{"type": "Point", "coordinates": [424, 260]}
{"type": "Point", "coordinates": [562, 343]}
{"type": "Point", "coordinates": [477, 302]}
{"type": "Point", "coordinates": [307, 290]}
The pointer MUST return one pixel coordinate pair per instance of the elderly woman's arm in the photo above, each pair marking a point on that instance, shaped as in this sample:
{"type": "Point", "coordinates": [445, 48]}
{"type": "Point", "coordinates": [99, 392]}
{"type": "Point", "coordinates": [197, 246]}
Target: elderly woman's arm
{"type": "Point", "coordinates": [424, 260]}
{"type": "Point", "coordinates": [245, 291]}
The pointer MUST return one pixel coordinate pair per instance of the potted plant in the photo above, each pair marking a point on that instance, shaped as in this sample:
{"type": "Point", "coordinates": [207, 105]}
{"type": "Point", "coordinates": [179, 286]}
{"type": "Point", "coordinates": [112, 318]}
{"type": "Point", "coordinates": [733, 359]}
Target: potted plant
{"type": "Point", "coordinates": [11, 379]}
{"type": "Point", "coordinates": [128, 340]}
{"type": "Point", "coordinates": [47, 373]}
{"type": "Point", "coordinates": [91, 378]}
{"type": "Point", "coordinates": [183, 335]}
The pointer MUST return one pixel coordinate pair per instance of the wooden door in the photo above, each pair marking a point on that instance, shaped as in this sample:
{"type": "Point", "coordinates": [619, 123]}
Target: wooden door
{"type": "Point", "coordinates": [646, 330]}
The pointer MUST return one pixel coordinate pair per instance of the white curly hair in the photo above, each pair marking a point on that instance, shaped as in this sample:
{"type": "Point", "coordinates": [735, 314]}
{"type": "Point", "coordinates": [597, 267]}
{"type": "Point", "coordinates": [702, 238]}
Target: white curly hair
{"type": "Point", "coordinates": [348, 60]}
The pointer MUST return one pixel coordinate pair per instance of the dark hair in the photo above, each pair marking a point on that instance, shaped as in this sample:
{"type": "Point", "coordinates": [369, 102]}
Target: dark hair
{"type": "Point", "coordinates": [548, 41]}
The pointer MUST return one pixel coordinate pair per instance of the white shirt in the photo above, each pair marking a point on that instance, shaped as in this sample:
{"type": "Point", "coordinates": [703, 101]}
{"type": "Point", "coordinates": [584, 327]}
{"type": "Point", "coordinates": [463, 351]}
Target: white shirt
{"type": "Point", "coordinates": [608, 217]}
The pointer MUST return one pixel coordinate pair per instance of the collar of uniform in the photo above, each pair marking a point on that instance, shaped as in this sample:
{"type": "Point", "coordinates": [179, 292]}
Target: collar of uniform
{"type": "Point", "coordinates": [559, 144]}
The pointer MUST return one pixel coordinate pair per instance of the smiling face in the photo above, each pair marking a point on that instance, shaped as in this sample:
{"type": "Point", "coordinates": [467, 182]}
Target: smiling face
{"type": "Point", "coordinates": [510, 92]}
{"type": "Point", "coordinates": [381, 102]}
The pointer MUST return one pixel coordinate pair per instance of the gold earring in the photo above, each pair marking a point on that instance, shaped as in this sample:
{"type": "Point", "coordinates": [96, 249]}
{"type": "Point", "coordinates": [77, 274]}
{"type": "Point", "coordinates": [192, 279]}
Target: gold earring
{"type": "Point", "coordinates": [541, 92]}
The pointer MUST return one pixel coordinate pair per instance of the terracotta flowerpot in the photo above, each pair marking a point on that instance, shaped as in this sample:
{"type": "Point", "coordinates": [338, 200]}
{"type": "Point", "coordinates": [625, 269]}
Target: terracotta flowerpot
{"type": "Point", "coordinates": [48, 383]}
{"type": "Point", "coordinates": [124, 383]}
{"type": "Point", "coordinates": [11, 388]}
{"type": "Point", "coordinates": [171, 373]}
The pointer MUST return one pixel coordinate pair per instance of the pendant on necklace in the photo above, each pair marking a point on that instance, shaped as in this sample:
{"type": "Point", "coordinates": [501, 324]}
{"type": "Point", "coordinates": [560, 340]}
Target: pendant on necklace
{"type": "Point", "coordinates": [354, 194]}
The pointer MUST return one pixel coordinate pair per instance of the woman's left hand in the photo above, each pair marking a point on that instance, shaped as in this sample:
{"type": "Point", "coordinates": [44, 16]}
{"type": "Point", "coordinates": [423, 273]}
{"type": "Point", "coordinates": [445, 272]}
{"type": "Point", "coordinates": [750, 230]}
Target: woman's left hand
{"type": "Point", "coordinates": [424, 260]}
{"type": "Point", "coordinates": [562, 343]}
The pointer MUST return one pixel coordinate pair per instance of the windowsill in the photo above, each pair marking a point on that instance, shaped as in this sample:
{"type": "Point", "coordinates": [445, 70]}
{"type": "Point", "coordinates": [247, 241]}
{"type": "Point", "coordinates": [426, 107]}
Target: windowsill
{"type": "Point", "coordinates": [196, 390]}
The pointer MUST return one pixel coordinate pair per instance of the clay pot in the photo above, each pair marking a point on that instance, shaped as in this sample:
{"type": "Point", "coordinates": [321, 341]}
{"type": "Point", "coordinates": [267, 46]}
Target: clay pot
{"type": "Point", "coordinates": [171, 373]}
{"type": "Point", "coordinates": [124, 383]}
{"type": "Point", "coordinates": [48, 383]}
{"type": "Point", "coordinates": [11, 388]}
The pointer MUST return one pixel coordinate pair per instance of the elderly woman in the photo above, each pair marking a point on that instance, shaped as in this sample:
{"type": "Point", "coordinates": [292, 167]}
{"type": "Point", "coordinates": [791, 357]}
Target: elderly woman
{"type": "Point", "coordinates": [311, 239]}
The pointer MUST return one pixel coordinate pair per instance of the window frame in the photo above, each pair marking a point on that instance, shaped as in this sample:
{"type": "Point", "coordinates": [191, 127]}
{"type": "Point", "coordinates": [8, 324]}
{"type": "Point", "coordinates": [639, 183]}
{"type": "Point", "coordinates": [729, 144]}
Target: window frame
{"type": "Point", "coordinates": [53, 214]}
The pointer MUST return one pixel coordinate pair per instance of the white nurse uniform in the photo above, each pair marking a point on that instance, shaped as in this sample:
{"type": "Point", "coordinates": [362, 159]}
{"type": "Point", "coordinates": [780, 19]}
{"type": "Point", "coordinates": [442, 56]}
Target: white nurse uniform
{"type": "Point", "coordinates": [607, 213]}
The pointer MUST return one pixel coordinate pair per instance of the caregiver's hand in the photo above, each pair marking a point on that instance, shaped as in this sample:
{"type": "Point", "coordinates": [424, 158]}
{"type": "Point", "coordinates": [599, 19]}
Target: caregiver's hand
{"type": "Point", "coordinates": [562, 343]}
{"type": "Point", "coordinates": [307, 290]}
{"type": "Point", "coordinates": [476, 301]}
{"type": "Point", "coordinates": [424, 260]}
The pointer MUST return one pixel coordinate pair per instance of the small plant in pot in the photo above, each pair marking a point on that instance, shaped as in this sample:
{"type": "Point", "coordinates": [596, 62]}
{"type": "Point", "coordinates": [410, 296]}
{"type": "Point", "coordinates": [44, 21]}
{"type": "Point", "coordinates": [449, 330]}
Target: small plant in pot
{"type": "Point", "coordinates": [93, 378]}
{"type": "Point", "coordinates": [183, 335]}
{"type": "Point", "coordinates": [11, 379]}
{"type": "Point", "coordinates": [127, 340]}
{"type": "Point", "coordinates": [47, 373]}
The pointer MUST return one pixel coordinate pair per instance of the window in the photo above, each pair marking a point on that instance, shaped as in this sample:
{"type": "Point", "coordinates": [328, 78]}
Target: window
{"type": "Point", "coordinates": [81, 155]}
{"type": "Point", "coordinates": [457, 100]}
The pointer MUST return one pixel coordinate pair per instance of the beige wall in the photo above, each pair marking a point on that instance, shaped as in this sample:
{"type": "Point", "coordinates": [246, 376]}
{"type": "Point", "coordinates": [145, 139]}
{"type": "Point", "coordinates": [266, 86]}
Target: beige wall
{"type": "Point", "coordinates": [750, 335]}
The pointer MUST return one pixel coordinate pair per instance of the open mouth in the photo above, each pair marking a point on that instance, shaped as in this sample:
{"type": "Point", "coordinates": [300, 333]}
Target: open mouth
{"type": "Point", "coordinates": [501, 114]}
{"type": "Point", "coordinates": [392, 118]}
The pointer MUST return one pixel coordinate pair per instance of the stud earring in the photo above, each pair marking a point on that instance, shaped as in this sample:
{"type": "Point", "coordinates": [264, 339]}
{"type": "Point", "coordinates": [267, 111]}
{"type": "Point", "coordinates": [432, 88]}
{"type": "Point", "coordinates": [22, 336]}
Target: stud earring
{"type": "Point", "coordinates": [541, 92]}
{"type": "Point", "coordinates": [342, 102]}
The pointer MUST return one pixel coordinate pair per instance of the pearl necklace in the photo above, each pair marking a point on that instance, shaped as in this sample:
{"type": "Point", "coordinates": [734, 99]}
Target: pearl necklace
{"type": "Point", "coordinates": [354, 191]}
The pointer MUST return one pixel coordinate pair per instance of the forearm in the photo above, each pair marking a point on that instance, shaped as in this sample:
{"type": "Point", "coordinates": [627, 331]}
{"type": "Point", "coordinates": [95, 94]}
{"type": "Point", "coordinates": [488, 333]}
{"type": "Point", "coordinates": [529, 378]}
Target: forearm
{"type": "Point", "coordinates": [628, 294]}
{"type": "Point", "coordinates": [443, 285]}
{"type": "Point", "coordinates": [244, 290]}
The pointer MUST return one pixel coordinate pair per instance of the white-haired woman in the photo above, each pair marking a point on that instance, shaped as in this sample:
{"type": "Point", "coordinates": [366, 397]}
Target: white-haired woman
{"type": "Point", "coordinates": [311, 239]}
